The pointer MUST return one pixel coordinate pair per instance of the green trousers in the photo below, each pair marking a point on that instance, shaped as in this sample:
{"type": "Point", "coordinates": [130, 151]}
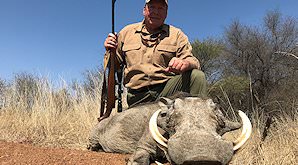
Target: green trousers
{"type": "Point", "coordinates": [193, 82]}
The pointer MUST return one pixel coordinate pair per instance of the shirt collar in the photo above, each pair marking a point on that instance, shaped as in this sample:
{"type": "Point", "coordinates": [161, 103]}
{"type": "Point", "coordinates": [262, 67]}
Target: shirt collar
{"type": "Point", "coordinates": [164, 28]}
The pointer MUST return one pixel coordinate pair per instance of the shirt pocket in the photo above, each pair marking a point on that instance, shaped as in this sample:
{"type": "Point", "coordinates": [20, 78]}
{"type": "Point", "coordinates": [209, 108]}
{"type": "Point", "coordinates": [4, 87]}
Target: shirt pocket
{"type": "Point", "coordinates": [132, 53]}
{"type": "Point", "coordinates": [165, 53]}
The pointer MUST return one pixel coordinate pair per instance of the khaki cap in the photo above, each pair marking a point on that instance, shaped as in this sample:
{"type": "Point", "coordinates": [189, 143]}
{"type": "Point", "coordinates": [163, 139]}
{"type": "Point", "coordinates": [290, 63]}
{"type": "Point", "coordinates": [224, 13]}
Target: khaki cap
{"type": "Point", "coordinates": [166, 1]}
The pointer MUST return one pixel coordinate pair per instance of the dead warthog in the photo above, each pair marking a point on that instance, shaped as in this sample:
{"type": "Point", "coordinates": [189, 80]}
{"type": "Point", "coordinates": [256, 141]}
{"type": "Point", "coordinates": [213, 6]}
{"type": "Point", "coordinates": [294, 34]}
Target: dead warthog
{"type": "Point", "coordinates": [191, 132]}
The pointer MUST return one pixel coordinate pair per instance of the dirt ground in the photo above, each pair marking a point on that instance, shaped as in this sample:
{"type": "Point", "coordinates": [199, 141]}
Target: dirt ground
{"type": "Point", "coordinates": [25, 154]}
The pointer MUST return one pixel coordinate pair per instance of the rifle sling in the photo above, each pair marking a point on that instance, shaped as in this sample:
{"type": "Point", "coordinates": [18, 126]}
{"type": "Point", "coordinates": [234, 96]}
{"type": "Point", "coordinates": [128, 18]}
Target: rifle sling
{"type": "Point", "coordinates": [108, 93]}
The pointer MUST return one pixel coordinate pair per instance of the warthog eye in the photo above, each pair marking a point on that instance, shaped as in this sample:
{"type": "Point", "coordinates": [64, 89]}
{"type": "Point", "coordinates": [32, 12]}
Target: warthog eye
{"type": "Point", "coordinates": [163, 114]}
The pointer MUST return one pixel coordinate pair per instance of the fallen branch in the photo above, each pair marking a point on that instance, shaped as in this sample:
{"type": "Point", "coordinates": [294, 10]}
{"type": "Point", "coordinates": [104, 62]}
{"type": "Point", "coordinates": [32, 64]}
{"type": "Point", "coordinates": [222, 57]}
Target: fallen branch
{"type": "Point", "coordinates": [286, 53]}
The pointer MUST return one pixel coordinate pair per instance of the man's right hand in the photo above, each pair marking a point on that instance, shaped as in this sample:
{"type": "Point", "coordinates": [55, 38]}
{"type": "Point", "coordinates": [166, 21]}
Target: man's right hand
{"type": "Point", "coordinates": [111, 42]}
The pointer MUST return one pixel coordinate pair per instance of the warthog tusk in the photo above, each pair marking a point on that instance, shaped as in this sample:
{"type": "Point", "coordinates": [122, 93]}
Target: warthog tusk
{"type": "Point", "coordinates": [154, 130]}
{"type": "Point", "coordinates": [246, 131]}
{"type": "Point", "coordinates": [156, 162]}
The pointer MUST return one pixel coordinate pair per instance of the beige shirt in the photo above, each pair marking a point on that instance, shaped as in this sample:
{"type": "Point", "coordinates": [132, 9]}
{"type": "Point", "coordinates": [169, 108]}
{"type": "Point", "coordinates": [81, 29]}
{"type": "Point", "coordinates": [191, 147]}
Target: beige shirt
{"type": "Point", "coordinates": [146, 61]}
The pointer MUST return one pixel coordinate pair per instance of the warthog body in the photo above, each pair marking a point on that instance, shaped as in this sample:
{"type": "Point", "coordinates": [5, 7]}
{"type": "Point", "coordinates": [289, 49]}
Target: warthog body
{"type": "Point", "coordinates": [192, 125]}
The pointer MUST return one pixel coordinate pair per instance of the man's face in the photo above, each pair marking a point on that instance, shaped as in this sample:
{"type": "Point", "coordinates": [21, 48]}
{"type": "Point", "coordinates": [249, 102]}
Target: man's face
{"type": "Point", "coordinates": [155, 13]}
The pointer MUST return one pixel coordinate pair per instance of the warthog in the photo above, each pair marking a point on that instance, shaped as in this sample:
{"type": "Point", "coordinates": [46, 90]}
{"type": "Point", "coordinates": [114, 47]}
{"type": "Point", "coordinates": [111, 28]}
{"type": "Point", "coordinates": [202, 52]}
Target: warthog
{"type": "Point", "coordinates": [190, 127]}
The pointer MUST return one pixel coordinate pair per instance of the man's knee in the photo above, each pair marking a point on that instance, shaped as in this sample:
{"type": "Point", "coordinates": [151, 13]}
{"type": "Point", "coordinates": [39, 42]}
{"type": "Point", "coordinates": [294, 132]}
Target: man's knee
{"type": "Point", "coordinates": [198, 85]}
{"type": "Point", "coordinates": [197, 75]}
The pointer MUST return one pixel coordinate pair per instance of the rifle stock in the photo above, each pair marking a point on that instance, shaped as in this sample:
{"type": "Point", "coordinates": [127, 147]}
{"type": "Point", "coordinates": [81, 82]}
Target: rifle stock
{"type": "Point", "coordinates": [111, 85]}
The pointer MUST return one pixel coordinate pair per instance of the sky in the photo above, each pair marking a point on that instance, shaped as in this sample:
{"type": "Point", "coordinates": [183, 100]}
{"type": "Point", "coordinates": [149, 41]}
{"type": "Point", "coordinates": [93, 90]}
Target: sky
{"type": "Point", "coordinates": [61, 39]}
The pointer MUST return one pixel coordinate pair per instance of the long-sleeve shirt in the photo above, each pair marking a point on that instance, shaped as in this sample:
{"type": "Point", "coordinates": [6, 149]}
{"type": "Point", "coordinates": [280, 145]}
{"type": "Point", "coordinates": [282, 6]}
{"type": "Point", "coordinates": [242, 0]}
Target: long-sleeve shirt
{"type": "Point", "coordinates": [146, 56]}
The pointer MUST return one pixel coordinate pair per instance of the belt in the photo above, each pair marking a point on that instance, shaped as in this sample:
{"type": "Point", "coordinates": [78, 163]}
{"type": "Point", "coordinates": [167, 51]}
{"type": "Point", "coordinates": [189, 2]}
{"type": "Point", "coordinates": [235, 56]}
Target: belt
{"type": "Point", "coordinates": [148, 88]}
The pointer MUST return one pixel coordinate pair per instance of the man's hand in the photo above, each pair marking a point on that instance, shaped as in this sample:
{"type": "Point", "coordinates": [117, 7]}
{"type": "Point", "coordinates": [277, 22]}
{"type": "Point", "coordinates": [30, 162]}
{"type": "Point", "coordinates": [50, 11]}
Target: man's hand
{"type": "Point", "coordinates": [177, 65]}
{"type": "Point", "coordinates": [111, 42]}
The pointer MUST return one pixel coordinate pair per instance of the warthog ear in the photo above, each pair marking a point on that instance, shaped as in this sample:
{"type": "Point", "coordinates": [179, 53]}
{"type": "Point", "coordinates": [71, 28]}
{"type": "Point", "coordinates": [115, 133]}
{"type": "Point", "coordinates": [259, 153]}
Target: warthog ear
{"type": "Point", "coordinates": [225, 125]}
{"type": "Point", "coordinates": [211, 104]}
{"type": "Point", "coordinates": [166, 100]}
{"type": "Point", "coordinates": [166, 103]}
{"type": "Point", "coordinates": [229, 126]}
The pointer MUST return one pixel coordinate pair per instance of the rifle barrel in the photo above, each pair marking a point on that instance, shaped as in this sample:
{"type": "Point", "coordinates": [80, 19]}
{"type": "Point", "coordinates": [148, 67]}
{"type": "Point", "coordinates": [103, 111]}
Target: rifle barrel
{"type": "Point", "coordinates": [113, 16]}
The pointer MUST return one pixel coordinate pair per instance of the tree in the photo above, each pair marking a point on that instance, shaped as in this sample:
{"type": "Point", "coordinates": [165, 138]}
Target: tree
{"type": "Point", "coordinates": [92, 81]}
{"type": "Point", "coordinates": [3, 87]}
{"type": "Point", "coordinates": [256, 52]}
{"type": "Point", "coordinates": [26, 89]}
{"type": "Point", "coordinates": [208, 52]}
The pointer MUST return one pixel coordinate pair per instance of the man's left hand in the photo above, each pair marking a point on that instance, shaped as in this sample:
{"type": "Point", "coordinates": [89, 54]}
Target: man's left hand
{"type": "Point", "coordinates": [177, 65]}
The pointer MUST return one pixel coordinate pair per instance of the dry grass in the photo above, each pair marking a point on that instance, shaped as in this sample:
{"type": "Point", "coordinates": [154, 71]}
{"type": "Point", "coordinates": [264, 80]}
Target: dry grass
{"type": "Point", "coordinates": [280, 147]}
{"type": "Point", "coordinates": [56, 118]}
{"type": "Point", "coordinates": [59, 118]}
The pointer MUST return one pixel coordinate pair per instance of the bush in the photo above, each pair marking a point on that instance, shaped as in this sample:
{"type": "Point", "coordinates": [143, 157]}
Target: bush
{"type": "Point", "coordinates": [232, 93]}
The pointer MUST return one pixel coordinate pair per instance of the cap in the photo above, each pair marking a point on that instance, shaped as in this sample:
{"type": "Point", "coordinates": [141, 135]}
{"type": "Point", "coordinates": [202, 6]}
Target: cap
{"type": "Point", "coordinates": [166, 1]}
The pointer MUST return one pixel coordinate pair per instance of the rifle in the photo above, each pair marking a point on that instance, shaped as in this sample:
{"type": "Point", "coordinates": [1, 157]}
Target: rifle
{"type": "Point", "coordinates": [108, 93]}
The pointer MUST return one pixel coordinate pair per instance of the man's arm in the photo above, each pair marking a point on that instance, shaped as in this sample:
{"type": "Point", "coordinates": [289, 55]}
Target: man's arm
{"type": "Point", "coordinates": [184, 59]}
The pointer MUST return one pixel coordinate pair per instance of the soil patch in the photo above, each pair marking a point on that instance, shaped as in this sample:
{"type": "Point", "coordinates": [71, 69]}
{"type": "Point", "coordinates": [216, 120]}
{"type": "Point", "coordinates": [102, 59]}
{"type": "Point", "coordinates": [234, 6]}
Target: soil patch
{"type": "Point", "coordinates": [16, 153]}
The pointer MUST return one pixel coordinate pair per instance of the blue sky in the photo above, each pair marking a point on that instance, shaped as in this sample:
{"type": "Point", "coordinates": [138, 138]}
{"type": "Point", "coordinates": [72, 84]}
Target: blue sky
{"type": "Point", "coordinates": [63, 38]}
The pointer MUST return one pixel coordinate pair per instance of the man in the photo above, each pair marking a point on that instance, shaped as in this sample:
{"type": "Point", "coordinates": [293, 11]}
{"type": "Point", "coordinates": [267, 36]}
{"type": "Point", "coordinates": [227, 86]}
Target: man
{"type": "Point", "coordinates": [157, 57]}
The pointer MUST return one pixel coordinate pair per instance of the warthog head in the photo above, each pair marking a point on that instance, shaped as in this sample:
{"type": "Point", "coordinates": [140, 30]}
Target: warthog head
{"type": "Point", "coordinates": [194, 129]}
